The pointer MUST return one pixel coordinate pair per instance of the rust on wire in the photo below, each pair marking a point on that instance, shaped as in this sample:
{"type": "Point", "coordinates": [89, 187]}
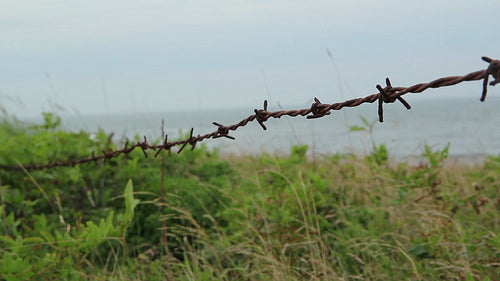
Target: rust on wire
{"type": "Point", "coordinates": [222, 131]}
{"type": "Point", "coordinates": [261, 115]}
{"type": "Point", "coordinates": [318, 109]}
{"type": "Point", "coordinates": [385, 96]}
{"type": "Point", "coordinates": [388, 94]}
{"type": "Point", "coordinates": [494, 70]}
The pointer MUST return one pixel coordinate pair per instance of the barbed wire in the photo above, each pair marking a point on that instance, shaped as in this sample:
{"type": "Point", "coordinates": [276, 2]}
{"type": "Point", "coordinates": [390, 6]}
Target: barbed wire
{"type": "Point", "coordinates": [387, 94]}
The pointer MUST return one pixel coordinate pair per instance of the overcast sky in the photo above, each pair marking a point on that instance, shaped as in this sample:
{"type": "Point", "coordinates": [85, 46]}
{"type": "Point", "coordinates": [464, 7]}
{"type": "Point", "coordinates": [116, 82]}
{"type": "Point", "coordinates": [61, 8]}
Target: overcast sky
{"type": "Point", "coordinates": [87, 57]}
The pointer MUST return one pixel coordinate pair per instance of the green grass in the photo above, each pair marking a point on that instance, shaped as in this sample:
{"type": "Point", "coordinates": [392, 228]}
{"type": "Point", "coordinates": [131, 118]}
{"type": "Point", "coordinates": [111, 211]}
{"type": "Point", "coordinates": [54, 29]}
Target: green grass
{"type": "Point", "coordinates": [262, 217]}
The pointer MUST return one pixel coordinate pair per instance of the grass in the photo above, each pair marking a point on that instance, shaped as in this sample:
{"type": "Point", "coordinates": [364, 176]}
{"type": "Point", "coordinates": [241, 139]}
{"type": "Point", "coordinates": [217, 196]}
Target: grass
{"type": "Point", "coordinates": [264, 217]}
{"type": "Point", "coordinates": [352, 220]}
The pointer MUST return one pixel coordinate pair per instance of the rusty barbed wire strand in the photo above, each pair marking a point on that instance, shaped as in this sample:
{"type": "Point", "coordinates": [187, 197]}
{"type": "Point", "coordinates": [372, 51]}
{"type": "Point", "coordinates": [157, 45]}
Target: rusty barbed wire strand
{"type": "Point", "coordinates": [388, 94]}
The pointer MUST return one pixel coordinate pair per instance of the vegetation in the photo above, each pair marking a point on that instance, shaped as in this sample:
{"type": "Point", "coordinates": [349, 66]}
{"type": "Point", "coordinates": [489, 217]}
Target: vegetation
{"type": "Point", "coordinates": [262, 217]}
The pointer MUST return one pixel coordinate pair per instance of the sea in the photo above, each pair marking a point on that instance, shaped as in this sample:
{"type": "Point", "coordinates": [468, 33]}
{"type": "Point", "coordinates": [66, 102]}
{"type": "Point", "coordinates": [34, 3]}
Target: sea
{"type": "Point", "coordinates": [470, 127]}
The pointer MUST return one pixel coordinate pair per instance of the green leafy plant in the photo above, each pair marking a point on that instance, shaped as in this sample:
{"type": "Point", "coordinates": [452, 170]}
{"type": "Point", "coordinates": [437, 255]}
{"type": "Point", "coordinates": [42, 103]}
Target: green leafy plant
{"type": "Point", "coordinates": [379, 154]}
{"type": "Point", "coordinates": [50, 252]}
{"type": "Point", "coordinates": [241, 217]}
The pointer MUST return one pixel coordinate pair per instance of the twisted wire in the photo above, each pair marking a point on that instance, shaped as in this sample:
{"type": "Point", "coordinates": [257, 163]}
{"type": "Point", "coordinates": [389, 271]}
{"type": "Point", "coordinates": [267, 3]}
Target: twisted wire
{"type": "Point", "coordinates": [387, 94]}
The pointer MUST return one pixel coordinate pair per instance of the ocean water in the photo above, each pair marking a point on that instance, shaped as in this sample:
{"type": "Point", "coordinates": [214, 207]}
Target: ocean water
{"type": "Point", "coordinates": [472, 128]}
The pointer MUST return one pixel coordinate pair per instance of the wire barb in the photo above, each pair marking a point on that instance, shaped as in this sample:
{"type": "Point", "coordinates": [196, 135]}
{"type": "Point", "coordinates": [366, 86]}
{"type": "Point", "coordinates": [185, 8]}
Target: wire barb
{"type": "Point", "coordinates": [388, 95]}
{"type": "Point", "coordinates": [260, 115]}
{"type": "Point", "coordinates": [222, 131]}
{"type": "Point", "coordinates": [318, 109]}
{"type": "Point", "coordinates": [164, 146]}
{"type": "Point", "coordinates": [494, 70]}
{"type": "Point", "coordinates": [185, 142]}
